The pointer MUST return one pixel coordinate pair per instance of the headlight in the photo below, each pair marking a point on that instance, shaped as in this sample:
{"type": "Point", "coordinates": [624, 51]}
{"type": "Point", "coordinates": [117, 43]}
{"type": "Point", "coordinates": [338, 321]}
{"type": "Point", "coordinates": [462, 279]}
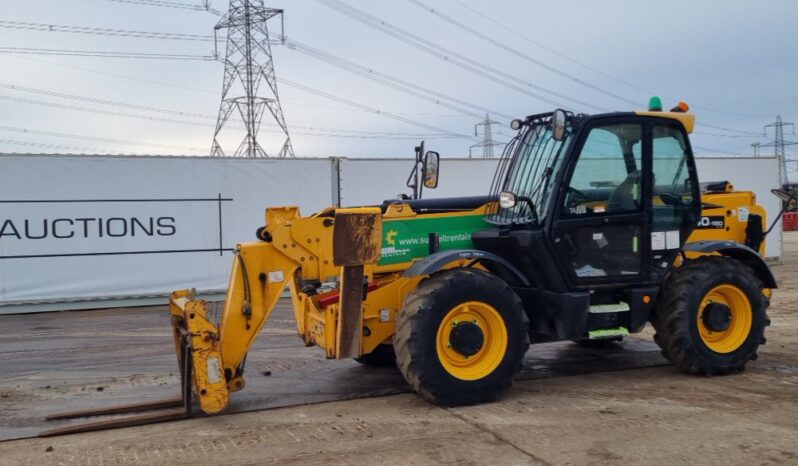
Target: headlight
{"type": "Point", "coordinates": [507, 200]}
{"type": "Point", "coordinates": [516, 124]}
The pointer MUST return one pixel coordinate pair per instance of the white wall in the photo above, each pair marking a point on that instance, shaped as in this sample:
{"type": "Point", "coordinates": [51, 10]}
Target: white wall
{"type": "Point", "coordinates": [72, 193]}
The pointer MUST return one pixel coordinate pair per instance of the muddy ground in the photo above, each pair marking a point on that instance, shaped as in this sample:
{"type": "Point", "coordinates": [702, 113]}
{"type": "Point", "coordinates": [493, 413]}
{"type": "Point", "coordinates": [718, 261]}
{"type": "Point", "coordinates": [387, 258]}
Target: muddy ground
{"type": "Point", "coordinates": [651, 415]}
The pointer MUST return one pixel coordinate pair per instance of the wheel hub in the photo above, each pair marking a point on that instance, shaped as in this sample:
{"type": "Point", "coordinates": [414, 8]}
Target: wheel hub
{"type": "Point", "coordinates": [717, 317]}
{"type": "Point", "coordinates": [467, 338]}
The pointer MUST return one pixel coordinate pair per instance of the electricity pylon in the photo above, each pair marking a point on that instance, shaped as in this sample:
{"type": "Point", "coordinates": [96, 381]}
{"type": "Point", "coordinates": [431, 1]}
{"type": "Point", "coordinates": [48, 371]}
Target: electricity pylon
{"type": "Point", "coordinates": [247, 64]}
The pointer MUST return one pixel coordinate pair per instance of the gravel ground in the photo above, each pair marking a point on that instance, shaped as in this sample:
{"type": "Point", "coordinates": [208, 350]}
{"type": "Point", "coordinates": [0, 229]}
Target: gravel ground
{"type": "Point", "coordinates": [639, 416]}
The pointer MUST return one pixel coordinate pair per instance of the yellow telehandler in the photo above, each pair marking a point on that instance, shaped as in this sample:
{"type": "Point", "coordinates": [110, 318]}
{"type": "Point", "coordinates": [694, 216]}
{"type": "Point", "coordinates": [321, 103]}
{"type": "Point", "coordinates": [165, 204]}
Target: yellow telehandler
{"type": "Point", "coordinates": [594, 226]}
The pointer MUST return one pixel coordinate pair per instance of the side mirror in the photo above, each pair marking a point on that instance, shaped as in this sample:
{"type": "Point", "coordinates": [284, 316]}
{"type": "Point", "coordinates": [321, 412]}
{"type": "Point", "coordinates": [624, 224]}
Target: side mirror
{"type": "Point", "coordinates": [507, 200]}
{"type": "Point", "coordinates": [430, 171]}
{"type": "Point", "coordinates": [783, 194]}
{"type": "Point", "coordinates": [558, 121]}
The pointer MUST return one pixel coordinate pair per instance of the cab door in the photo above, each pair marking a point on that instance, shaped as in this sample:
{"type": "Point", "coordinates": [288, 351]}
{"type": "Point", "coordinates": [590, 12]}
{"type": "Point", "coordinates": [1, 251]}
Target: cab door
{"type": "Point", "coordinates": [676, 198]}
{"type": "Point", "coordinates": [601, 228]}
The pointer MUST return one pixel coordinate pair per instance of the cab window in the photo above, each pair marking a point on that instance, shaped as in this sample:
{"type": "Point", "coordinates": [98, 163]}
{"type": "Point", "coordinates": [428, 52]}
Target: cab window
{"type": "Point", "coordinates": [607, 177]}
{"type": "Point", "coordinates": [673, 193]}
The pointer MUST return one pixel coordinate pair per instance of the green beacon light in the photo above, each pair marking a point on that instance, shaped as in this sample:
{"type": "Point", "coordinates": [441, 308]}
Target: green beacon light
{"type": "Point", "coordinates": [655, 104]}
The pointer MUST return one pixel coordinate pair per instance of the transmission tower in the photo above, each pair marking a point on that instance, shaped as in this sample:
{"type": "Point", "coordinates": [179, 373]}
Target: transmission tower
{"type": "Point", "coordinates": [778, 146]}
{"type": "Point", "coordinates": [248, 64]}
{"type": "Point", "coordinates": [487, 143]}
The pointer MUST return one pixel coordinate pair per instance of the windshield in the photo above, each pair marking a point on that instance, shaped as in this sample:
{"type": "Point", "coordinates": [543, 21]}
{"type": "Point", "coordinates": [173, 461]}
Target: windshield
{"type": "Point", "coordinates": [528, 168]}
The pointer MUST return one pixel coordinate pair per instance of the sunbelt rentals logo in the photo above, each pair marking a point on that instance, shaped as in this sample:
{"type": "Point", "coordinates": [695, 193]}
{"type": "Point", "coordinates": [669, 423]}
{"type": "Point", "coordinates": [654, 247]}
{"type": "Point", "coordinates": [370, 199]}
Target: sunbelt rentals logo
{"type": "Point", "coordinates": [389, 245]}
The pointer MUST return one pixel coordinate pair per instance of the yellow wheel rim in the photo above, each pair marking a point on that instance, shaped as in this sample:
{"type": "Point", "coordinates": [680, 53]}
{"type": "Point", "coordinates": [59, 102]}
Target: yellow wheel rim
{"type": "Point", "coordinates": [494, 346]}
{"type": "Point", "coordinates": [739, 326]}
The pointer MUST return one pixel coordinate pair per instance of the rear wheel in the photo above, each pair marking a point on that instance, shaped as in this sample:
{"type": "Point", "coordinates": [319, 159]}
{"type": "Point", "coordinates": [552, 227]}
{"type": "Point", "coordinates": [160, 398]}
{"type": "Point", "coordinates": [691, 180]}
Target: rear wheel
{"type": "Point", "coordinates": [711, 316]}
{"type": "Point", "coordinates": [461, 337]}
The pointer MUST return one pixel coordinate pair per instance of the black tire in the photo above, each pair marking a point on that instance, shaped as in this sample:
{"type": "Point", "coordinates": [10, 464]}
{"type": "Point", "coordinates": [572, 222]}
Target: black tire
{"type": "Point", "coordinates": [601, 343]}
{"type": "Point", "coordinates": [675, 317]}
{"type": "Point", "coordinates": [382, 356]}
{"type": "Point", "coordinates": [416, 338]}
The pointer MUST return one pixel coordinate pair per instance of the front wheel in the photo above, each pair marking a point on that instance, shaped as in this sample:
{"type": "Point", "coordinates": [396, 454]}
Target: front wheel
{"type": "Point", "coordinates": [711, 316]}
{"type": "Point", "coordinates": [461, 337]}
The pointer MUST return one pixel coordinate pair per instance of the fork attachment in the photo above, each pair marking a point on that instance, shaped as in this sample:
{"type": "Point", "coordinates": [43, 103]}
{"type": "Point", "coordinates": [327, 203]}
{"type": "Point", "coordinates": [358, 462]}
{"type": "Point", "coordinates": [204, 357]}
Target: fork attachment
{"type": "Point", "coordinates": [199, 358]}
{"type": "Point", "coordinates": [167, 410]}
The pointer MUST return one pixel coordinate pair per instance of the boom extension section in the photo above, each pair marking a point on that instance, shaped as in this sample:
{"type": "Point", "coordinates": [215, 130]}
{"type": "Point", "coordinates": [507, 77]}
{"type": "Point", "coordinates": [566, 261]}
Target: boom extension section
{"type": "Point", "coordinates": [341, 245]}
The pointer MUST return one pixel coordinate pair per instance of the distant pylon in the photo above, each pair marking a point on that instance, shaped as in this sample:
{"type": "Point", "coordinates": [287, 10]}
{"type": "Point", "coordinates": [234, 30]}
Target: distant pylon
{"type": "Point", "coordinates": [487, 143]}
{"type": "Point", "coordinates": [248, 63]}
{"type": "Point", "coordinates": [778, 146]}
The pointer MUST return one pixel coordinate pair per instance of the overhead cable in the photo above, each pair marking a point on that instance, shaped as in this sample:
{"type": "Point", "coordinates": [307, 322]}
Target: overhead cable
{"type": "Point", "coordinates": [5, 24]}
{"type": "Point", "coordinates": [469, 64]}
{"type": "Point", "coordinates": [106, 54]}
{"type": "Point", "coordinates": [515, 51]}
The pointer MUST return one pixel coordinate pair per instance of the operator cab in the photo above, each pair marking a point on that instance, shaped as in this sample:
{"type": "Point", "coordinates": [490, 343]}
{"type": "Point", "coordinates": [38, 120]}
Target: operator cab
{"type": "Point", "coordinates": [594, 207]}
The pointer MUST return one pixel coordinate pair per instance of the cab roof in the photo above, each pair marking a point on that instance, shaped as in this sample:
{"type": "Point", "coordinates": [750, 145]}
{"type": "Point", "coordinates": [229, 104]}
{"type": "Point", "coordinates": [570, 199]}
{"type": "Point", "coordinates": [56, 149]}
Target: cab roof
{"type": "Point", "coordinates": [687, 119]}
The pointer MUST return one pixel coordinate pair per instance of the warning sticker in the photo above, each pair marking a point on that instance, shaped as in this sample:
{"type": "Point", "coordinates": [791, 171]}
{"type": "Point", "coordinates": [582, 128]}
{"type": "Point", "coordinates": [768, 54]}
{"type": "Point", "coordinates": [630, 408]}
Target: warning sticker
{"type": "Point", "coordinates": [742, 214]}
{"type": "Point", "coordinates": [672, 239]}
{"type": "Point", "coordinates": [657, 240]}
{"type": "Point", "coordinates": [214, 370]}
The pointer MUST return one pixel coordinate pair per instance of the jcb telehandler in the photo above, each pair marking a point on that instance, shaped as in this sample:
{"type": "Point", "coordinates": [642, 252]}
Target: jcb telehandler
{"type": "Point", "coordinates": [595, 225]}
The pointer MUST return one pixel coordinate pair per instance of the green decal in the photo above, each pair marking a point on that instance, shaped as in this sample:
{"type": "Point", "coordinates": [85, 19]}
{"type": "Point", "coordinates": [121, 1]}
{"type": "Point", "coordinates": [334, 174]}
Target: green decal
{"type": "Point", "coordinates": [408, 238]}
{"type": "Point", "coordinates": [611, 332]}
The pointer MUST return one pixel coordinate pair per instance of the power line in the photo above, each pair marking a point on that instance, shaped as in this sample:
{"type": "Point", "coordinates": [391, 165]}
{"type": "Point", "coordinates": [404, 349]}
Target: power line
{"type": "Point", "coordinates": [102, 31]}
{"type": "Point", "coordinates": [720, 135]}
{"type": "Point", "coordinates": [520, 54]}
{"type": "Point", "coordinates": [115, 75]}
{"type": "Point", "coordinates": [390, 81]}
{"type": "Point", "coordinates": [376, 136]}
{"type": "Point", "coordinates": [99, 111]}
{"type": "Point", "coordinates": [168, 4]}
{"type": "Point", "coordinates": [457, 59]}
{"type": "Point", "coordinates": [102, 101]}
{"type": "Point", "coordinates": [105, 54]}
{"type": "Point", "coordinates": [731, 130]}
{"type": "Point", "coordinates": [92, 138]}
{"type": "Point", "coordinates": [189, 88]}
{"type": "Point", "coordinates": [59, 146]}
{"type": "Point", "coordinates": [721, 151]}
{"type": "Point", "coordinates": [309, 130]}
{"type": "Point", "coordinates": [206, 91]}
{"type": "Point", "coordinates": [374, 110]}
{"type": "Point", "coordinates": [353, 105]}
{"type": "Point", "coordinates": [502, 25]}
{"type": "Point", "coordinates": [516, 52]}
{"type": "Point", "coordinates": [313, 131]}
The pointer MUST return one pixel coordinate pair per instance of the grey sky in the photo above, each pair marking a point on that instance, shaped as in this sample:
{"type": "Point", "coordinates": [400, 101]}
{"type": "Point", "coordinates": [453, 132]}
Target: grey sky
{"type": "Point", "coordinates": [734, 62]}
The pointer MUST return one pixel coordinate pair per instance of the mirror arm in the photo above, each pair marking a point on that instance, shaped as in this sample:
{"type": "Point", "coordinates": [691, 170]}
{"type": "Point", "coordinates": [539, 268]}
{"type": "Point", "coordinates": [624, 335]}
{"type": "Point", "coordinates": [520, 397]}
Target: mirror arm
{"type": "Point", "coordinates": [781, 213]}
{"type": "Point", "coordinates": [532, 208]}
{"type": "Point", "coordinates": [784, 205]}
{"type": "Point", "coordinates": [418, 189]}
{"type": "Point", "coordinates": [423, 176]}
